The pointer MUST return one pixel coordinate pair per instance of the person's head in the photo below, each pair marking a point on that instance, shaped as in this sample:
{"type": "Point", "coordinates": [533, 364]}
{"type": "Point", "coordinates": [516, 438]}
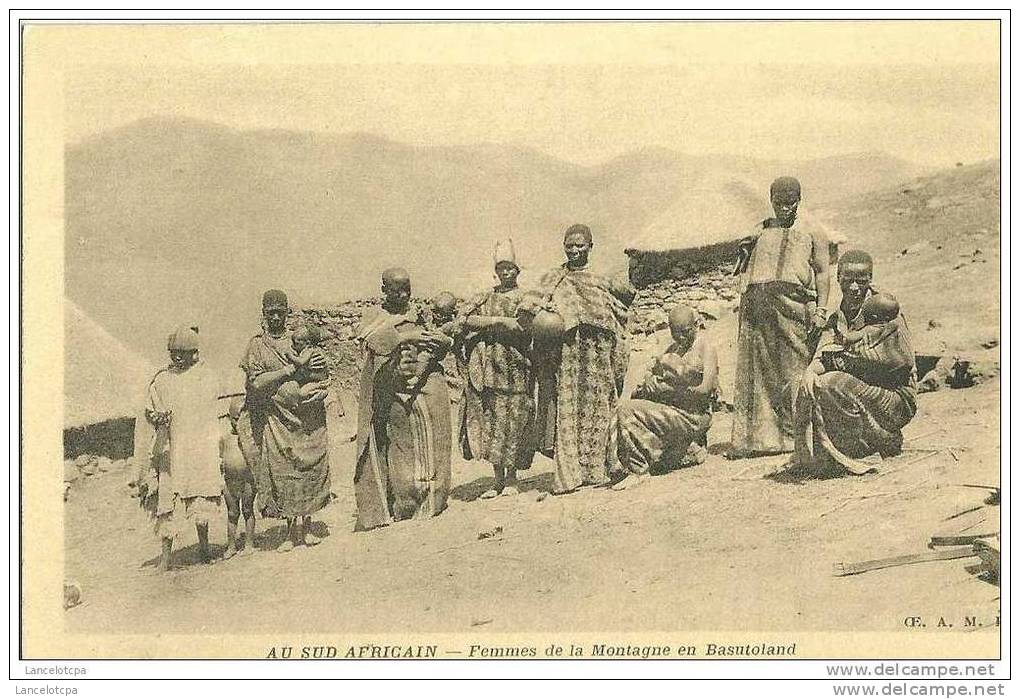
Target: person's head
{"type": "Point", "coordinates": [785, 196]}
{"type": "Point", "coordinates": [396, 289]}
{"type": "Point", "coordinates": [182, 344]}
{"type": "Point", "coordinates": [577, 245]}
{"type": "Point", "coordinates": [274, 310]}
{"type": "Point", "coordinates": [683, 325]}
{"type": "Point", "coordinates": [444, 307]}
{"type": "Point", "coordinates": [505, 261]}
{"type": "Point", "coordinates": [306, 336]}
{"type": "Point", "coordinates": [880, 308]}
{"type": "Point", "coordinates": [853, 272]}
{"type": "Point", "coordinates": [507, 273]}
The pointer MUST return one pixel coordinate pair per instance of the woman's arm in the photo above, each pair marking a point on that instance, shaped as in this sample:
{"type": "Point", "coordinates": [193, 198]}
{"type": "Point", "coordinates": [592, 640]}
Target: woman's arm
{"type": "Point", "coordinates": [268, 379]}
{"type": "Point", "coordinates": [710, 373]}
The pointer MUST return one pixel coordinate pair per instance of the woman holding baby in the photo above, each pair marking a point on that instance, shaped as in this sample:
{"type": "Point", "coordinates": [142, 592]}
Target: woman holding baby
{"type": "Point", "coordinates": [859, 390]}
{"type": "Point", "coordinates": [283, 427]}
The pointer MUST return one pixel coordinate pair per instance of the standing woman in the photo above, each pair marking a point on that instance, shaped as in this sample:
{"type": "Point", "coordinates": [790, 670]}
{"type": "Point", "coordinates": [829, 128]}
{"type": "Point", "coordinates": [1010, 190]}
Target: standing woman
{"type": "Point", "coordinates": [405, 435]}
{"type": "Point", "coordinates": [588, 370]}
{"type": "Point", "coordinates": [782, 311]}
{"type": "Point", "coordinates": [292, 468]}
{"type": "Point", "coordinates": [498, 400]}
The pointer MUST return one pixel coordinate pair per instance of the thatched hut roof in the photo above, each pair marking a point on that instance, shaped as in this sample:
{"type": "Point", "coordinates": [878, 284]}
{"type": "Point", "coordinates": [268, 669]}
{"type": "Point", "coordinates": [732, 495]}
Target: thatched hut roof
{"type": "Point", "coordinates": [714, 210]}
{"type": "Point", "coordinates": [103, 379]}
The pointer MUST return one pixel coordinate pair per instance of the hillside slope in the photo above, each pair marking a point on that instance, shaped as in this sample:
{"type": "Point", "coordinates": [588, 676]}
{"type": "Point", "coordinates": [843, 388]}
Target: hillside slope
{"type": "Point", "coordinates": [171, 221]}
{"type": "Point", "coordinates": [936, 243]}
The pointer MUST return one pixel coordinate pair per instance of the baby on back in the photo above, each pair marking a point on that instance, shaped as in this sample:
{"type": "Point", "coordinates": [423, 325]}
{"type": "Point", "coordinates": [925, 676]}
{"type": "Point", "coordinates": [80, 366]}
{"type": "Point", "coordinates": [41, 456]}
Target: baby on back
{"type": "Point", "coordinates": [312, 375]}
{"type": "Point", "coordinates": [877, 312]}
{"type": "Point", "coordinates": [848, 353]}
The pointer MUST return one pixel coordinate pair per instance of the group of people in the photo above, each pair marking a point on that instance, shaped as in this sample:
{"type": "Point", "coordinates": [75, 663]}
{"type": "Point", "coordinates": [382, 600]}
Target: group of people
{"type": "Point", "coordinates": [540, 370]}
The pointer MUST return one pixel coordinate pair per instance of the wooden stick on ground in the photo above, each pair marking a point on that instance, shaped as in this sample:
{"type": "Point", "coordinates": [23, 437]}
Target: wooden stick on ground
{"type": "Point", "coordinates": [958, 540]}
{"type": "Point", "coordinates": [857, 498]}
{"type": "Point", "coordinates": [842, 569]}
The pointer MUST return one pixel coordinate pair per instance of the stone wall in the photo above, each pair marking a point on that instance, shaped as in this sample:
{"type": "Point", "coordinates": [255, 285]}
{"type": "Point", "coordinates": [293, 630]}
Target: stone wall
{"type": "Point", "coordinates": [712, 292]}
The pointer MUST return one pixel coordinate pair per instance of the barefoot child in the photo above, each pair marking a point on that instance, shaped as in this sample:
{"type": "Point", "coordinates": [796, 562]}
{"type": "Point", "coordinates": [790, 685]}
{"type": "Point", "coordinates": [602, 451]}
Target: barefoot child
{"type": "Point", "coordinates": [182, 407]}
{"type": "Point", "coordinates": [238, 482]}
{"type": "Point", "coordinates": [670, 412]}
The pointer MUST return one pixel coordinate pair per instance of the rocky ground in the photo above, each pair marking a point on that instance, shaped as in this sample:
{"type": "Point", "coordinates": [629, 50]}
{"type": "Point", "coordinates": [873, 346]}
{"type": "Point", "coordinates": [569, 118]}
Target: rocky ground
{"type": "Point", "coordinates": [721, 546]}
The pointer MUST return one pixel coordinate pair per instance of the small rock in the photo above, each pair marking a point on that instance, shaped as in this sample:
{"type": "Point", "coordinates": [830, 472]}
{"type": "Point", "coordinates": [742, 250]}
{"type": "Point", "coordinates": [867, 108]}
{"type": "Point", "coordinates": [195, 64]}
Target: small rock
{"type": "Point", "coordinates": [84, 460]}
{"type": "Point", "coordinates": [490, 533]}
{"type": "Point", "coordinates": [990, 343]}
{"type": "Point", "coordinates": [970, 372]}
{"type": "Point", "coordinates": [72, 594]}
{"type": "Point", "coordinates": [711, 309]}
{"type": "Point", "coordinates": [917, 247]}
{"type": "Point", "coordinates": [934, 324]}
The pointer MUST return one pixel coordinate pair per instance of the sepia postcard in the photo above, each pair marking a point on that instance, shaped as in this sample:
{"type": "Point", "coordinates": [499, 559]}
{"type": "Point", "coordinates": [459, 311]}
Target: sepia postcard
{"type": "Point", "coordinates": [511, 340]}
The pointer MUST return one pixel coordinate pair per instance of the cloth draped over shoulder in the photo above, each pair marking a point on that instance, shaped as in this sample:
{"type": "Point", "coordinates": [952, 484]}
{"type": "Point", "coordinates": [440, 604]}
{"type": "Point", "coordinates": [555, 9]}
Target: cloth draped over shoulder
{"type": "Point", "coordinates": [850, 413]}
{"type": "Point", "coordinates": [773, 253]}
{"type": "Point", "coordinates": [405, 435]}
{"type": "Point", "coordinates": [581, 380]}
{"type": "Point", "coordinates": [290, 442]}
{"type": "Point", "coordinates": [775, 341]}
{"type": "Point", "coordinates": [582, 297]}
{"type": "Point", "coordinates": [184, 455]}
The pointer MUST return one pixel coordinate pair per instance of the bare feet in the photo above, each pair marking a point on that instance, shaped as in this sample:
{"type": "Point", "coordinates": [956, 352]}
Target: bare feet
{"type": "Point", "coordinates": [489, 494]}
{"type": "Point", "coordinates": [286, 546]}
{"type": "Point", "coordinates": [511, 490]}
{"type": "Point", "coordinates": [311, 539]}
{"type": "Point", "coordinates": [230, 551]}
{"type": "Point", "coordinates": [628, 482]}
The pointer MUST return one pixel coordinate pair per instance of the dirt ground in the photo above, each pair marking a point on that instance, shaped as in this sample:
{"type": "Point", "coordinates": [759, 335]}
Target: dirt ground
{"type": "Point", "coordinates": [721, 546]}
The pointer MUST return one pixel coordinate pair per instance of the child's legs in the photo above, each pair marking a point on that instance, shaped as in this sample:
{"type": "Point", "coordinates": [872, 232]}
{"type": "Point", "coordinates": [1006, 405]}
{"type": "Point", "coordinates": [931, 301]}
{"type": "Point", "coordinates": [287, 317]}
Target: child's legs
{"type": "Point", "coordinates": [230, 497]}
{"type": "Point", "coordinates": [248, 499]}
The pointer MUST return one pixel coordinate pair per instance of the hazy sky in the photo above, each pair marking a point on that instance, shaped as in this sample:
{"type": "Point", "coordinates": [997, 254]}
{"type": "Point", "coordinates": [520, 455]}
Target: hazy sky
{"type": "Point", "coordinates": [927, 92]}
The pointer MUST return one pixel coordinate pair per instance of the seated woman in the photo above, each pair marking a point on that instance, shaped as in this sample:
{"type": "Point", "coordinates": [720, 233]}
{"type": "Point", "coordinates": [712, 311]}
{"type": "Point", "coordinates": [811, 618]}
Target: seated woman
{"type": "Point", "coordinates": [856, 398]}
{"type": "Point", "coordinates": [671, 410]}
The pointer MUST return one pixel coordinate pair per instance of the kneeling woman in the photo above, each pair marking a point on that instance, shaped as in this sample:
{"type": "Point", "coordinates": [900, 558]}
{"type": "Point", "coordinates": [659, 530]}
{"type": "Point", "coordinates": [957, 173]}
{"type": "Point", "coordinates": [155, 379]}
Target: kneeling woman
{"type": "Point", "coordinates": [856, 397]}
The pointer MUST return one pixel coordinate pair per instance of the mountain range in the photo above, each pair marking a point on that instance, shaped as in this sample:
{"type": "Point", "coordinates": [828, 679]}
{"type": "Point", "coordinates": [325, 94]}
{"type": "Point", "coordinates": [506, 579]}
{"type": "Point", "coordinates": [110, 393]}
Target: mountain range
{"type": "Point", "coordinates": [172, 220]}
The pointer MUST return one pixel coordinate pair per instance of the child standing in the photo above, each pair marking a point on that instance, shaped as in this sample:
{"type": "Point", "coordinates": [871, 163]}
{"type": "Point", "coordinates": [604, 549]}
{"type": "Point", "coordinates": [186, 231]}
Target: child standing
{"type": "Point", "coordinates": [238, 482]}
{"type": "Point", "coordinates": [182, 407]}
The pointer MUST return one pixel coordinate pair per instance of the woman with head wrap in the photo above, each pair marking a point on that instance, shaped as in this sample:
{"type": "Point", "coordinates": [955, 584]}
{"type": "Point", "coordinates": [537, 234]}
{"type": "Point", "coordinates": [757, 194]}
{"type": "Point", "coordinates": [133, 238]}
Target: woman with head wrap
{"type": "Point", "coordinates": [582, 374]}
{"type": "Point", "coordinates": [405, 436]}
{"type": "Point", "coordinates": [289, 433]}
{"type": "Point", "coordinates": [786, 278]}
{"type": "Point", "coordinates": [181, 406]}
{"type": "Point", "coordinates": [855, 399]}
{"type": "Point", "coordinates": [498, 400]}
